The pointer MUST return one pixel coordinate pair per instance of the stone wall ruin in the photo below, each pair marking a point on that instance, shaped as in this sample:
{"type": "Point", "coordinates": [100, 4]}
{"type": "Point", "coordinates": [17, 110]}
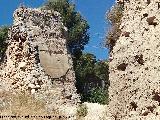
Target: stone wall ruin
{"type": "Point", "coordinates": [135, 64]}
{"type": "Point", "coordinates": [37, 59]}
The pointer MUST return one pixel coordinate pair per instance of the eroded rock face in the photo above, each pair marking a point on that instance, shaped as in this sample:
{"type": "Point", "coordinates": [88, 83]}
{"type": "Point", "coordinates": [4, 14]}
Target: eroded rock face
{"type": "Point", "coordinates": [37, 57]}
{"type": "Point", "coordinates": [135, 64]}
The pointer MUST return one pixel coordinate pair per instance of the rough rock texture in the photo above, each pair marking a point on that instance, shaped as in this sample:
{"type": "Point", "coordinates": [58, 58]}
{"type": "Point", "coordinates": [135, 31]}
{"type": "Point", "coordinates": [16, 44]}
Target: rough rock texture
{"type": "Point", "coordinates": [95, 111]}
{"type": "Point", "coordinates": [135, 64]}
{"type": "Point", "coordinates": [37, 58]}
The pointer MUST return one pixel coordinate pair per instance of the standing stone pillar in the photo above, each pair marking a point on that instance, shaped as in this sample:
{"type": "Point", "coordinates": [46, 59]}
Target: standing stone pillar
{"type": "Point", "coordinates": [37, 58]}
{"type": "Point", "coordinates": [135, 64]}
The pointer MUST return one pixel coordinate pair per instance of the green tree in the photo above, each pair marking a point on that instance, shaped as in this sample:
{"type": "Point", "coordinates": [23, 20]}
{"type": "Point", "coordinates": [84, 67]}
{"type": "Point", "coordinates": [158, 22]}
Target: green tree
{"type": "Point", "coordinates": [101, 70]}
{"type": "Point", "coordinates": [85, 65]}
{"type": "Point", "coordinates": [92, 79]}
{"type": "Point", "coordinates": [83, 69]}
{"type": "Point", "coordinates": [3, 37]}
{"type": "Point", "coordinates": [77, 26]}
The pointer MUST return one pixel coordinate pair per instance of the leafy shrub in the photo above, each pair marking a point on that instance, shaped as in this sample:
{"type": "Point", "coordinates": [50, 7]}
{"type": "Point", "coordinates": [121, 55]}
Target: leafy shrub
{"type": "Point", "coordinates": [98, 95]}
{"type": "Point", "coordinates": [91, 74]}
{"type": "Point", "coordinates": [114, 16]}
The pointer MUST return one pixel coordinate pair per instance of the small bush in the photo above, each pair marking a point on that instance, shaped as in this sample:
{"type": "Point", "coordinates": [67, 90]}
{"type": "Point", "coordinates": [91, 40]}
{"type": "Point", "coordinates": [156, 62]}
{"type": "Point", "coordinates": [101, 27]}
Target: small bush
{"type": "Point", "coordinates": [98, 95]}
{"type": "Point", "coordinates": [82, 111]}
{"type": "Point", "coordinates": [114, 16]}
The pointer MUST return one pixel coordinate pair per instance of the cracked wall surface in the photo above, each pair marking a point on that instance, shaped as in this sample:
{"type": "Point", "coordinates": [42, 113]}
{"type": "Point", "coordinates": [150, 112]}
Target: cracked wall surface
{"type": "Point", "coordinates": [37, 59]}
{"type": "Point", "coordinates": [135, 64]}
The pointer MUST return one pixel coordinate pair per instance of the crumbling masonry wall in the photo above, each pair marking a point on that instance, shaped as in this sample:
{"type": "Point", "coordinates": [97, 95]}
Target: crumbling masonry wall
{"type": "Point", "coordinates": [37, 58]}
{"type": "Point", "coordinates": [135, 64]}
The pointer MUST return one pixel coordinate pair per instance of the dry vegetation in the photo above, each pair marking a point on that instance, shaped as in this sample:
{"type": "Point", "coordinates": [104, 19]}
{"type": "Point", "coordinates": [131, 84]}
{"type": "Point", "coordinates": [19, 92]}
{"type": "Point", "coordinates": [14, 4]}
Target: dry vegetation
{"type": "Point", "coordinates": [82, 112]}
{"type": "Point", "coordinates": [23, 104]}
{"type": "Point", "coordinates": [114, 16]}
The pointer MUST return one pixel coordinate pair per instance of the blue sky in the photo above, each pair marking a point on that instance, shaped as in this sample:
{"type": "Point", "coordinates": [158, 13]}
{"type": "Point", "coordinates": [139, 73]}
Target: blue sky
{"type": "Point", "coordinates": [92, 10]}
